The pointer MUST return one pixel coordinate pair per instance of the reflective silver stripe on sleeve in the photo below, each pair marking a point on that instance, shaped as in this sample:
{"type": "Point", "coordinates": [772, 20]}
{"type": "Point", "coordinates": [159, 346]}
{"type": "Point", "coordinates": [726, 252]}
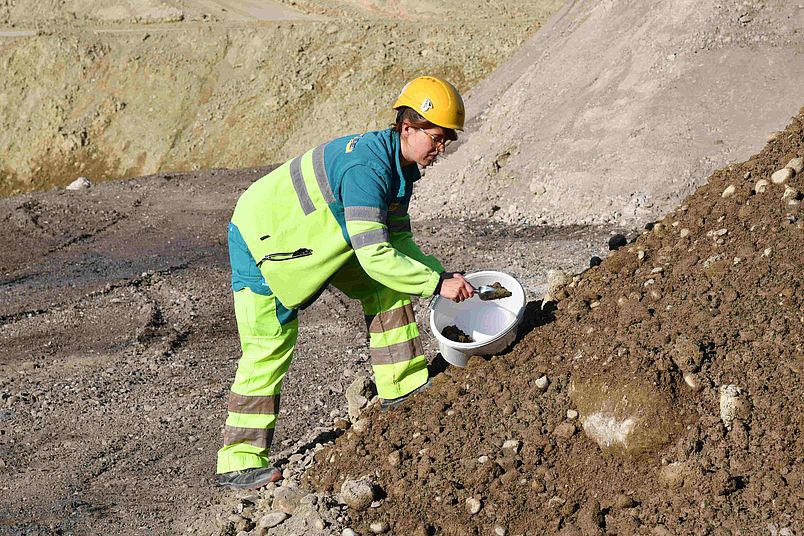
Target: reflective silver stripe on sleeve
{"type": "Point", "coordinates": [369, 238]}
{"type": "Point", "coordinates": [297, 179]}
{"type": "Point", "coordinates": [399, 226]}
{"type": "Point", "coordinates": [401, 210]}
{"type": "Point", "coordinates": [365, 214]}
{"type": "Point", "coordinates": [321, 174]}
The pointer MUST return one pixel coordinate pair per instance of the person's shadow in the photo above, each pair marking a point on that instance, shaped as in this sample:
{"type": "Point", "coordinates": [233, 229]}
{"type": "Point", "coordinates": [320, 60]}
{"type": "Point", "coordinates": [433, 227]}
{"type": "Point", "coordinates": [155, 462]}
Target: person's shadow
{"type": "Point", "coordinates": [535, 316]}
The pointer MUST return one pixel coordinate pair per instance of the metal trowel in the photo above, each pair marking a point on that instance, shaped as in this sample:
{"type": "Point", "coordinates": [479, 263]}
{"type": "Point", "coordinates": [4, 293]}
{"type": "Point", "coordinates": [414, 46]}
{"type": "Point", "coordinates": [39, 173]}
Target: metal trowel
{"type": "Point", "coordinates": [488, 292]}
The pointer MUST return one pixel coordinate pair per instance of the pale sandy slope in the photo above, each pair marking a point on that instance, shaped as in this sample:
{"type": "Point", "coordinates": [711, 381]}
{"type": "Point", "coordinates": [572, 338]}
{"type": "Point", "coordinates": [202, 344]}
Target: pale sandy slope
{"type": "Point", "coordinates": [615, 110]}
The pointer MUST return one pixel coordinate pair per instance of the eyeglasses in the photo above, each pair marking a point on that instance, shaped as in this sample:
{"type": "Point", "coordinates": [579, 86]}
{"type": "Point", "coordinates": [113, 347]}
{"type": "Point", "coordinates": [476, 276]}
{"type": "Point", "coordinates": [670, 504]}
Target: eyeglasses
{"type": "Point", "coordinates": [435, 139]}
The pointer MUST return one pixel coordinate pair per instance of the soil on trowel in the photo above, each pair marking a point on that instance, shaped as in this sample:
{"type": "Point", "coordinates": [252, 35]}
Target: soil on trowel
{"type": "Point", "coordinates": [454, 333]}
{"type": "Point", "coordinates": [500, 291]}
{"type": "Point", "coordinates": [664, 397]}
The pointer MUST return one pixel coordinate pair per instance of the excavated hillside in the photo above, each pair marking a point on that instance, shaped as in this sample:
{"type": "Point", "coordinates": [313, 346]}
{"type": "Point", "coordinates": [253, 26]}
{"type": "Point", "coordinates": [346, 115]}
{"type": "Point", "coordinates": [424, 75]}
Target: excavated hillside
{"type": "Point", "coordinates": [662, 396]}
{"type": "Point", "coordinates": [137, 87]}
{"type": "Point", "coordinates": [616, 111]}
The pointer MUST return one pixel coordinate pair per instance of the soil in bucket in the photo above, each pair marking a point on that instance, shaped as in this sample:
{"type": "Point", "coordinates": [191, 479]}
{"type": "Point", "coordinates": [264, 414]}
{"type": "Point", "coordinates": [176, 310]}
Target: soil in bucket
{"type": "Point", "coordinates": [454, 333]}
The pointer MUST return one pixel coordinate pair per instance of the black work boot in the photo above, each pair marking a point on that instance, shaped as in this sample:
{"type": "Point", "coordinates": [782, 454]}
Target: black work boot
{"type": "Point", "coordinates": [254, 478]}
{"type": "Point", "coordinates": [388, 403]}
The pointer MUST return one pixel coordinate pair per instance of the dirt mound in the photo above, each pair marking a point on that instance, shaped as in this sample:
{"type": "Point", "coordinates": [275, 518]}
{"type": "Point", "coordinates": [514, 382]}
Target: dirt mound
{"type": "Point", "coordinates": [616, 111]}
{"type": "Point", "coordinates": [664, 396]}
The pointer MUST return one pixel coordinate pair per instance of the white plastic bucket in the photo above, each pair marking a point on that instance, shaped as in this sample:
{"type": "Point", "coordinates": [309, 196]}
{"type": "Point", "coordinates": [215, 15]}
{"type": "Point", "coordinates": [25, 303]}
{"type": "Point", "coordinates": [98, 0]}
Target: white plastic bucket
{"type": "Point", "coordinates": [491, 324]}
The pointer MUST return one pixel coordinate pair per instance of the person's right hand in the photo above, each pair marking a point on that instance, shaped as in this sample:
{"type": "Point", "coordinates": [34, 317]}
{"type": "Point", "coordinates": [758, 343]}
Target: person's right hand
{"type": "Point", "coordinates": [457, 288]}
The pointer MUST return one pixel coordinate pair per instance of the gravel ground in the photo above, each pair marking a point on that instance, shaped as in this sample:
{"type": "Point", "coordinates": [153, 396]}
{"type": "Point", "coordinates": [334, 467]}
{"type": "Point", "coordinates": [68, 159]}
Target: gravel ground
{"type": "Point", "coordinates": [119, 346]}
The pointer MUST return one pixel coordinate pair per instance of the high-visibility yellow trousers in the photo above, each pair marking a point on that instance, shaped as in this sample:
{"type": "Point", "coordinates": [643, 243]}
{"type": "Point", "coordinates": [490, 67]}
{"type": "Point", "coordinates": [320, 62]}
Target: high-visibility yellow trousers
{"type": "Point", "coordinates": [268, 334]}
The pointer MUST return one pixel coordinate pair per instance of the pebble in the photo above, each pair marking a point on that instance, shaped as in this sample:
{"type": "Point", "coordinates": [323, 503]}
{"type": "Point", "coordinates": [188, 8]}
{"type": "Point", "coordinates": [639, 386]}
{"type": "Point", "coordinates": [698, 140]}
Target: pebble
{"type": "Point", "coordinates": [499, 531]}
{"type": "Point", "coordinates": [672, 475]}
{"type": "Point", "coordinates": [572, 414]}
{"type": "Point", "coordinates": [273, 519]}
{"type": "Point", "coordinates": [357, 395]}
{"type": "Point", "coordinates": [796, 164]}
{"type": "Point", "coordinates": [473, 505]}
{"type": "Point", "coordinates": [617, 241]}
{"type": "Point", "coordinates": [761, 186]}
{"type": "Point", "coordinates": [360, 426]}
{"type": "Point", "coordinates": [379, 527]}
{"type": "Point", "coordinates": [512, 444]}
{"type": "Point", "coordinates": [684, 233]}
{"type": "Point", "coordinates": [693, 382]}
{"type": "Point", "coordinates": [286, 499]}
{"type": "Point", "coordinates": [357, 494]}
{"type": "Point", "coordinates": [789, 193]}
{"type": "Point", "coordinates": [729, 191]}
{"type": "Point", "coordinates": [348, 532]}
{"type": "Point", "coordinates": [767, 252]}
{"type": "Point", "coordinates": [565, 430]}
{"type": "Point", "coordinates": [624, 501]}
{"type": "Point", "coordinates": [483, 459]}
{"type": "Point", "coordinates": [782, 176]}
{"type": "Point", "coordinates": [81, 183]}
{"type": "Point", "coordinates": [542, 383]}
{"type": "Point", "coordinates": [733, 405]}
{"type": "Point", "coordinates": [394, 458]}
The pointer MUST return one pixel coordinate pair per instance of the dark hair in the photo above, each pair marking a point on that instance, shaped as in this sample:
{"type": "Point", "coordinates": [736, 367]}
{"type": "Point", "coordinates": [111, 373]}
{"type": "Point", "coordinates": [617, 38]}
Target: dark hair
{"type": "Point", "coordinates": [413, 117]}
{"type": "Point", "coordinates": [416, 120]}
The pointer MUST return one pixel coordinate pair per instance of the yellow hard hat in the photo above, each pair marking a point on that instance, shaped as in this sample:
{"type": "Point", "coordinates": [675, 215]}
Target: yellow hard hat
{"type": "Point", "coordinates": [435, 99]}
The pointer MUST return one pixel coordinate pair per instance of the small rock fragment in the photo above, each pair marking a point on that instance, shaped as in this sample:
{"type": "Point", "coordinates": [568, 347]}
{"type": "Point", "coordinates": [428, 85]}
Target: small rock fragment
{"type": "Point", "coordinates": [348, 532]}
{"type": "Point", "coordinates": [272, 520]}
{"type": "Point", "coordinates": [672, 475]}
{"type": "Point", "coordinates": [684, 233]}
{"type": "Point", "coordinates": [693, 382]}
{"type": "Point", "coordinates": [357, 494]}
{"type": "Point", "coordinates": [572, 414]}
{"type": "Point", "coordinates": [761, 186]}
{"type": "Point", "coordinates": [782, 176]}
{"type": "Point", "coordinates": [81, 183]}
{"type": "Point", "coordinates": [617, 241]}
{"type": "Point", "coordinates": [728, 192]}
{"type": "Point", "coordinates": [542, 383]}
{"type": "Point", "coordinates": [565, 430]}
{"type": "Point", "coordinates": [733, 405]}
{"type": "Point", "coordinates": [394, 458]}
{"type": "Point", "coordinates": [789, 193]}
{"type": "Point", "coordinates": [286, 499]}
{"type": "Point", "coordinates": [796, 164]}
{"type": "Point", "coordinates": [512, 444]}
{"type": "Point", "coordinates": [358, 394]}
{"type": "Point", "coordinates": [379, 527]}
{"type": "Point", "coordinates": [473, 505]}
{"type": "Point", "coordinates": [624, 501]}
{"type": "Point", "coordinates": [499, 531]}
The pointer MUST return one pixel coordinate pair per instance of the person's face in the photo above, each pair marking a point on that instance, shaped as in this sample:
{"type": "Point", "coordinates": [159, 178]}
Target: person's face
{"type": "Point", "coordinates": [425, 144]}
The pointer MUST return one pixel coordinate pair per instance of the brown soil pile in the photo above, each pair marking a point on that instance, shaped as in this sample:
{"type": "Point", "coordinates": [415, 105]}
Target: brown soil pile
{"type": "Point", "coordinates": [625, 434]}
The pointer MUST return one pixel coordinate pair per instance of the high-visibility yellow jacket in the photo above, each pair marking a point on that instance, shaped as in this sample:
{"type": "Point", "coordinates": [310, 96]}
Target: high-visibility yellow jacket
{"type": "Point", "coordinates": [295, 227]}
